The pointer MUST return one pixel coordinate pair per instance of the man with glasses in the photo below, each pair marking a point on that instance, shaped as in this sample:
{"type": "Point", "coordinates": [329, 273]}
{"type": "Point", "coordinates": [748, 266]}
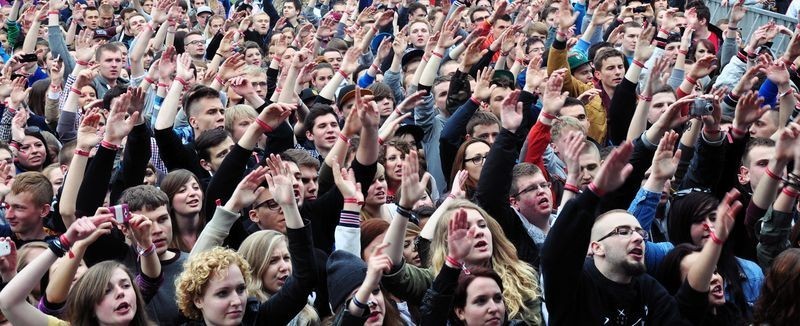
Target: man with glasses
{"type": "Point", "coordinates": [611, 287]}
{"type": "Point", "coordinates": [195, 45]}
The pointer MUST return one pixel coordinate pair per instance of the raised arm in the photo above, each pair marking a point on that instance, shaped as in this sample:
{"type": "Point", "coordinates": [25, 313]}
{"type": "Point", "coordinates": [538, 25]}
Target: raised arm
{"type": "Point", "coordinates": [12, 298]}
{"type": "Point", "coordinates": [169, 109]}
{"type": "Point", "coordinates": [410, 190]}
{"type": "Point", "coordinates": [87, 140]}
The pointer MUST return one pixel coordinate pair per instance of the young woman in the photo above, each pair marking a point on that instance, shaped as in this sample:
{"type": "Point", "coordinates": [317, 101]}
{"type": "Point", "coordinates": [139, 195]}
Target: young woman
{"type": "Point", "coordinates": [488, 247]}
{"type": "Point", "coordinates": [106, 294]}
{"type": "Point", "coordinates": [673, 272]}
{"type": "Point", "coordinates": [476, 298]}
{"type": "Point", "coordinates": [186, 207]}
{"type": "Point", "coordinates": [470, 157]}
{"type": "Point", "coordinates": [778, 304]}
{"type": "Point", "coordinates": [392, 155]}
{"type": "Point", "coordinates": [267, 252]}
{"type": "Point", "coordinates": [213, 287]}
{"type": "Point", "coordinates": [252, 54]}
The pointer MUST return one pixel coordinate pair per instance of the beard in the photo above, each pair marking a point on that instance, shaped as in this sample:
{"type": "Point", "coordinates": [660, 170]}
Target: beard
{"type": "Point", "coordinates": [634, 268]}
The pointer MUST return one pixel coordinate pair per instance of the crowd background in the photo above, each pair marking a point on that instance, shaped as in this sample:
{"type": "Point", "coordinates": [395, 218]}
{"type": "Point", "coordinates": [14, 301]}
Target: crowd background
{"type": "Point", "coordinates": [392, 162]}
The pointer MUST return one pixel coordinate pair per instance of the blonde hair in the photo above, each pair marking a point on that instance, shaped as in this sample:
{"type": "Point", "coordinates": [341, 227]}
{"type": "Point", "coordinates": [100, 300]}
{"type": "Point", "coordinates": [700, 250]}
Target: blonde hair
{"type": "Point", "coordinates": [236, 112]}
{"type": "Point", "coordinates": [256, 249]}
{"type": "Point", "coordinates": [198, 271]}
{"type": "Point", "coordinates": [521, 282]}
{"type": "Point", "coordinates": [562, 123]}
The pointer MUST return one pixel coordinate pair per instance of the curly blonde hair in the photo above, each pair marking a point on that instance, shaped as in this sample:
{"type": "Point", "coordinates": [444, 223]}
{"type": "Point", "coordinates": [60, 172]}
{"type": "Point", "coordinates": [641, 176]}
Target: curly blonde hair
{"type": "Point", "coordinates": [198, 272]}
{"type": "Point", "coordinates": [521, 292]}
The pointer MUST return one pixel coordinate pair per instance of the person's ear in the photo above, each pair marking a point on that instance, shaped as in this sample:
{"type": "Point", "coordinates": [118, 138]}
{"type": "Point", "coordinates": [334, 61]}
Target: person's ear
{"type": "Point", "coordinates": [743, 175]}
{"type": "Point", "coordinates": [198, 303]}
{"type": "Point", "coordinates": [309, 135]}
{"type": "Point", "coordinates": [460, 314]}
{"type": "Point", "coordinates": [45, 210]}
{"type": "Point", "coordinates": [597, 249]}
{"type": "Point", "coordinates": [253, 216]}
{"type": "Point", "coordinates": [513, 201]}
{"type": "Point", "coordinates": [193, 122]}
{"type": "Point", "coordinates": [205, 164]}
{"type": "Point", "coordinates": [467, 137]}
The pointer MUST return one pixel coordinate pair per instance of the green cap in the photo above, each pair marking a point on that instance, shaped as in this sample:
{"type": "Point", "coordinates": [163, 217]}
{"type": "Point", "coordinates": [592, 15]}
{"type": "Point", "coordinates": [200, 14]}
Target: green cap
{"type": "Point", "coordinates": [576, 59]}
{"type": "Point", "coordinates": [503, 74]}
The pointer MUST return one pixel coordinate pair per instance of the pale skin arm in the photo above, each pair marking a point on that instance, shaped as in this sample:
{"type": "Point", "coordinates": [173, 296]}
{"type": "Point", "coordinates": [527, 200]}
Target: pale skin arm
{"type": "Point", "coordinates": [457, 192]}
{"type": "Point", "coordinates": [143, 39]}
{"type": "Point", "coordinates": [166, 116]}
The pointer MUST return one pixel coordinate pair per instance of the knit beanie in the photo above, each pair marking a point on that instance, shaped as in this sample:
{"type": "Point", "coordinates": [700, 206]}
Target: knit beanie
{"type": "Point", "coordinates": [346, 272]}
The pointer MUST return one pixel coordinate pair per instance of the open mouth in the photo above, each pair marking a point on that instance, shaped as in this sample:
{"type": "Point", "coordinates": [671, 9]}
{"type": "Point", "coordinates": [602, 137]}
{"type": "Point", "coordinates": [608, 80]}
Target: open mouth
{"type": "Point", "coordinates": [717, 292]}
{"type": "Point", "coordinates": [374, 316]}
{"type": "Point", "coordinates": [123, 308]}
{"type": "Point", "coordinates": [330, 139]}
{"type": "Point", "coordinates": [193, 202]}
{"type": "Point", "coordinates": [636, 253]}
{"type": "Point", "coordinates": [282, 279]}
{"type": "Point", "coordinates": [544, 203]}
{"type": "Point", "coordinates": [481, 245]}
{"type": "Point", "coordinates": [160, 243]}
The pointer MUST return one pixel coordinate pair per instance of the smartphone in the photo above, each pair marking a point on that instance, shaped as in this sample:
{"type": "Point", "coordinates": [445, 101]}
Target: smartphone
{"type": "Point", "coordinates": [640, 9]}
{"type": "Point", "coordinates": [121, 213]}
{"type": "Point", "coordinates": [5, 248]}
{"type": "Point", "coordinates": [30, 57]}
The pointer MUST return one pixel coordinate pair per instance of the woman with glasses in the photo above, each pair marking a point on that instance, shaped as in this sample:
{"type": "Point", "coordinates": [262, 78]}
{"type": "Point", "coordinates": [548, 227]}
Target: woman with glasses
{"type": "Point", "coordinates": [470, 157]}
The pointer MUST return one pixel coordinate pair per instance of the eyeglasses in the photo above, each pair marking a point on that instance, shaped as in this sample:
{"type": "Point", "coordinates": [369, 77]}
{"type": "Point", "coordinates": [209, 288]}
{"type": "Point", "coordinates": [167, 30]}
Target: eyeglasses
{"type": "Point", "coordinates": [271, 204]}
{"type": "Point", "coordinates": [197, 42]}
{"type": "Point", "coordinates": [477, 159]}
{"type": "Point", "coordinates": [533, 187]}
{"type": "Point", "coordinates": [259, 84]}
{"type": "Point", "coordinates": [626, 231]}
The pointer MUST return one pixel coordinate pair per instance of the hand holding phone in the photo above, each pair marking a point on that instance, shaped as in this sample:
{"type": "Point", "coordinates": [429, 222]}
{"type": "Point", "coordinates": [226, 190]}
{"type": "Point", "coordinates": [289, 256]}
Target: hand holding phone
{"type": "Point", "coordinates": [5, 248]}
{"type": "Point", "coordinates": [121, 213]}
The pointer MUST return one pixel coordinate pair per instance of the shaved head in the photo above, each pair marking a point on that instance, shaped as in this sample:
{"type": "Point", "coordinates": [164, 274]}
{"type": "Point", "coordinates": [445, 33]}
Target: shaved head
{"type": "Point", "coordinates": [617, 246]}
{"type": "Point", "coordinates": [607, 221]}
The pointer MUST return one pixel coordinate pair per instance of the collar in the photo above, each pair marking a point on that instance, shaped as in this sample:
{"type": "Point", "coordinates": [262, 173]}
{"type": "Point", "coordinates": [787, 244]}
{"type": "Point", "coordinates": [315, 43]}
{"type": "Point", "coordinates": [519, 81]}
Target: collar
{"type": "Point", "coordinates": [537, 234]}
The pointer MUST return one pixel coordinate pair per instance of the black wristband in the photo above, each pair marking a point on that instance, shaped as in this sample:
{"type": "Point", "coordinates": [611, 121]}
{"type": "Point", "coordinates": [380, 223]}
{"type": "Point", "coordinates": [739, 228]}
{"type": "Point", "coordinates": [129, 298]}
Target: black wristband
{"type": "Point", "coordinates": [57, 248]}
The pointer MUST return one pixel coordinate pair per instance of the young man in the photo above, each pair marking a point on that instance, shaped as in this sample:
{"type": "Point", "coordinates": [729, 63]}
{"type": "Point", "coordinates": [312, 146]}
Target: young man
{"type": "Point", "coordinates": [109, 57]}
{"type": "Point", "coordinates": [195, 45]}
{"type": "Point", "coordinates": [322, 129]}
{"type": "Point", "coordinates": [91, 18]}
{"type": "Point", "coordinates": [629, 38]}
{"type": "Point", "coordinates": [700, 20]}
{"type": "Point", "coordinates": [609, 67]}
{"type": "Point", "coordinates": [212, 146]}
{"type": "Point", "coordinates": [28, 204]}
{"type": "Point", "coordinates": [309, 171]}
{"type": "Point", "coordinates": [483, 125]}
{"type": "Point", "coordinates": [152, 203]}
{"type": "Point", "coordinates": [291, 11]}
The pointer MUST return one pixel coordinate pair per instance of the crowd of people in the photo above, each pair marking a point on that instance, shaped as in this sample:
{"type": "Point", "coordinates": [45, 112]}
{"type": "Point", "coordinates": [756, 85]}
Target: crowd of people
{"type": "Point", "coordinates": [393, 162]}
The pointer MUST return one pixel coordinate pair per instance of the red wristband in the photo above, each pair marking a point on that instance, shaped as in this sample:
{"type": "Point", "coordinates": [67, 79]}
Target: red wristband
{"type": "Point", "coordinates": [53, 12]}
{"type": "Point", "coordinates": [435, 54]}
{"type": "Point", "coordinates": [76, 91]}
{"type": "Point", "coordinates": [572, 188]}
{"type": "Point", "coordinates": [182, 81]}
{"type": "Point", "coordinates": [737, 132]}
{"type": "Point", "coordinates": [264, 126]}
{"type": "Point", "coordinates": [81, 152]}
{"type": "Point", "coordinates": [82, 63]}
{"type": "Point", "coordinates": [344, 138]}
{"type": "Point", "coordinates": [691, 80]}
{"type": "Point", "coordinates": [638, 63]}
{"type": "Point", "coordinates": [548, 116]}
{"type": "Point", "coordinates": [351, 201]}
{"type": "Point", "coordinates": [715, 238]}
{"type": "Point", "coordinates": [790, 192]}
{"type": "Point", "coordinates": [109, 145]}
{"type": "Point", "coordinates": [662, 30]}
{"type": "Point", "coordinates": [453, 261]}
{"type": "Point", "coordinates": [374, 66]}
{"type": "Point", "coordinates": [711, 131]}
{"type": "Point", "coordinates": [219, 80]}
{"type": "Point", "coordinates": [380, 141]}
{"type": "Point", "coordinates": [475, 100]}
{"type": "Point", "coordinates": [451, 196]}
{"type": "Point", "coordinates": [64, 241]}
{"type": "Point", "coordinates": [597, 191]}
{"type": "Point", "coordinates": [149, 80]}
{"type": "Point", "coordinates": [645, 98]}
{"type": "Point", "coordinates": [771, 174]}
{"type": "Point", "coordinates": [341, 72]}
{"type": "Point", "coordinates": [276, 58]}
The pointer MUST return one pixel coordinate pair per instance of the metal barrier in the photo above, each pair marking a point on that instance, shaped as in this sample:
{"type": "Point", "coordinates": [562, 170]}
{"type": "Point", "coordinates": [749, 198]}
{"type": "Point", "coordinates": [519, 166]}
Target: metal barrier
{"type": "Point", "coordinates": [754, 18]}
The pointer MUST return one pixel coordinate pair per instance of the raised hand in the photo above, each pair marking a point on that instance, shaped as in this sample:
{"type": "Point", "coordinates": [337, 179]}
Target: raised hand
{"type": "Point", "coordinates": [483, 87]}
{"type": "Point", "coordinates": [248, 190]}
{"type": "Point", "coordinates": [18, 125]}
{"type": "Point", "coordinates": [553, 98]}
{"type": "Point", "coordinates": [85, 46]}
{"type": "Point", "coordinates": [473, 53]}
{"type": "Point", "coordinates": [787, 142]}
{"type": "Point", "coordinates": [242, 86]}
{"type": "Point", "coordinates": [184, 69]}
{"type": "Point", "coordinates": [167, 64]}
{"type": "Point", "coordinates": [377, 265]}
{"type": "Point", "coordinates": [85, 77]}
{"type": "Point", "coordinates": [281, 182]}
{"type": "Point", "coordinates": [19, 91]}
{"type": "Point", "coordinates": [459, 188]}
{"type": "Point", "coordinates": [458, 236]}
{"type": "Point", "coordinates": [727, 210]}
{"type": "Point", "coordinates": [737, 12]}
{"type": "Point", "coordinates": [777, 73]}
{"type": "Point", "coordinates": [368, 110]}
{"type": "Point", "coordinates": [566, 17]}
{"type": "Point", "coordinates": [643, 47]}
{"type": "Point", "coordinates": [748, 110]}
{"type": "Point", "coordinates": [140, 227]}
{"type": "Point", "coordinates": [83, 227]}
{"type": "Point", "coordinates": [572, 154]}
{"type": "Point", "coordinates": [411, 187]}
{"type": "Point", "coordinates": [534, 74]}
{"type": "Point", "coordinates": [346, 182]}
{"type": "Point", "coordinates": [704, 66]}
{"type": "Point", "coordinates": [511, 111]}
{"type": "Point", "coordinates": [388, 128]}
{"type": "Point", "coordinates": [614, 170]}
{"type": "Point", "coordinates": [350, 60]}
{"type": "Point", "coordinates": [119, 124]}
{"type": "Point", "coordinates": [87, 132]}
{"type": "Point", "coordinates": [665, 163]}
{"type": "Point", "coordinates": [276, 113]}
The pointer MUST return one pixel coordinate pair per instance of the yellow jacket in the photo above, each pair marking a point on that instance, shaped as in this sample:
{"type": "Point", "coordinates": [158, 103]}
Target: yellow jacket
{"type": "Point", "coordinates": [595, 112]}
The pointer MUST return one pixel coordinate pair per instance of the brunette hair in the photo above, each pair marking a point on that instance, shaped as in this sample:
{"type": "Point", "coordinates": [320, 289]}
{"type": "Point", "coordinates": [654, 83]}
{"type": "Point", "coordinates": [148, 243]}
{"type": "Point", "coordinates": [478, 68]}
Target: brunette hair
{"type": "Point", "coordinates": [171, 185]}
{"type": "Point", "coordinates": [778, 304]}
{"type": "Point", "coordinates": [460, 163]}
{"type": "Point", "coordinates": [464, 280]}
{"type": "Point", "coordinates": [89, 290]}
